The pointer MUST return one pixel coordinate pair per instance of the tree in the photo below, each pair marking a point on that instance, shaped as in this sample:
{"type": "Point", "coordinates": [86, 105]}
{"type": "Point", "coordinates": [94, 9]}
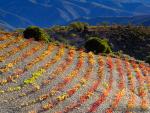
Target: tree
{"type": "Point", "coordinates": [98, 45]}
{"type": "Point", "coordinates": [78, 26]}
{"type": "Point", "coordinates": [36, 33]}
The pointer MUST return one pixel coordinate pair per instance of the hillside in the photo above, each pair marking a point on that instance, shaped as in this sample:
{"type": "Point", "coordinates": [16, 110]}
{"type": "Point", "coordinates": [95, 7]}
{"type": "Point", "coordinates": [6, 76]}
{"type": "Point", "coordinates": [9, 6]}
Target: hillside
{"type": "Point", "coordinates": [37, 77]}
{"type": "Point", "coordinates": [22, 13]}
{"type": "Point", "coordinates": [131, 40]}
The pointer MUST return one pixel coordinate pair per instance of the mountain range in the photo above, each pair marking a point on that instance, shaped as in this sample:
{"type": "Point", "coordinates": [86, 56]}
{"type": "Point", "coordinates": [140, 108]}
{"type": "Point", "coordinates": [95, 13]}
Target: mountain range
{"type": "Point", "coordinates": [135, 20]}
{"type": "Point", "coordinates": [46, 13]}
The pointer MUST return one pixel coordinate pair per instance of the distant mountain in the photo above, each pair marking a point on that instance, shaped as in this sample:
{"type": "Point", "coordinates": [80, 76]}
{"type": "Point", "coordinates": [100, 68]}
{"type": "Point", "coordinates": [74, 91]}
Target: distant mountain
{"type": "Point", "coordinates": [136, 20]}
{"type": "Point", "coordinates": [45, 13]}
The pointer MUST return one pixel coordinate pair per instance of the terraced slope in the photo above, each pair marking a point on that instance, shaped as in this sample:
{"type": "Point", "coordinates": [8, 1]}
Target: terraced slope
{"type": "Point", "coordinates": [37, 77]}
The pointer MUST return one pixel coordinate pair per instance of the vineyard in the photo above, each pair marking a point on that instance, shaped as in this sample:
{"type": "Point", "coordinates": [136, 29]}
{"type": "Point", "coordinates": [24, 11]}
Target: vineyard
{"type": "Point", "coordinates": [36, 77]}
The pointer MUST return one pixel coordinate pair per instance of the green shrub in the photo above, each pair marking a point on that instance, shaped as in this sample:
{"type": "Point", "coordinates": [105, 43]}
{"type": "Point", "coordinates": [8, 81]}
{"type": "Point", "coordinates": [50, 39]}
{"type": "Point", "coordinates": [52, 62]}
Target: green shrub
{"type": "Point", "coordinates": [78, 26]}
{"type": "Point", "coordinates": [98, 45]}
{"type": "Point", "coordinates": [36, 33]}
{"type": "Point", "coordinates": [63, 40]}
{"type": "Point", "coordinates": [119, 53]}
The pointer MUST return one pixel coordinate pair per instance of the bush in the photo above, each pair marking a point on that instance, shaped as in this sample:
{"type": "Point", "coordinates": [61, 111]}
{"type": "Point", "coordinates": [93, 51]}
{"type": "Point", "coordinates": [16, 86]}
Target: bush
{"type": "Point", "coordinates": [64, 40]}
{"type": "Point", "coordinates": [78, 26]}
{"type": "Point", "coordinates": [98, 45]}
{"type": "Point", "coordinates": [36, 33]}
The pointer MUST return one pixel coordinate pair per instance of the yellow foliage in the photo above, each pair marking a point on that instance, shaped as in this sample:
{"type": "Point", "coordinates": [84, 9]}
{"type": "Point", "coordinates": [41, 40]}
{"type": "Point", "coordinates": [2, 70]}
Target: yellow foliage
{"type": "Point", "coordinates": [10, 65]}
{"type": "Point", "coordinates": [63, 97]}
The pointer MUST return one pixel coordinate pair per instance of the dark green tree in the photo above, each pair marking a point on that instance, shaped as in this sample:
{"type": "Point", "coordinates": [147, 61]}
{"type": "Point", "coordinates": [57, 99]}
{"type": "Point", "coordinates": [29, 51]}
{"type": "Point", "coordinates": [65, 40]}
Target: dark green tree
{"type": "Point", "coordinates": [98, 45]}
{"type": "Point", "coordinates": [36, 33]}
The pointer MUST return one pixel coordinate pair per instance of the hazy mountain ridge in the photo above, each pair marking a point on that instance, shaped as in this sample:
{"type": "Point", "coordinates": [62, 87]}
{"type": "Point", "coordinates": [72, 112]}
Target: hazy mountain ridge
{"type": "Point", "coordinates": [136, 20]}
{"type": "Point", "coordinates": [46, 13]}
